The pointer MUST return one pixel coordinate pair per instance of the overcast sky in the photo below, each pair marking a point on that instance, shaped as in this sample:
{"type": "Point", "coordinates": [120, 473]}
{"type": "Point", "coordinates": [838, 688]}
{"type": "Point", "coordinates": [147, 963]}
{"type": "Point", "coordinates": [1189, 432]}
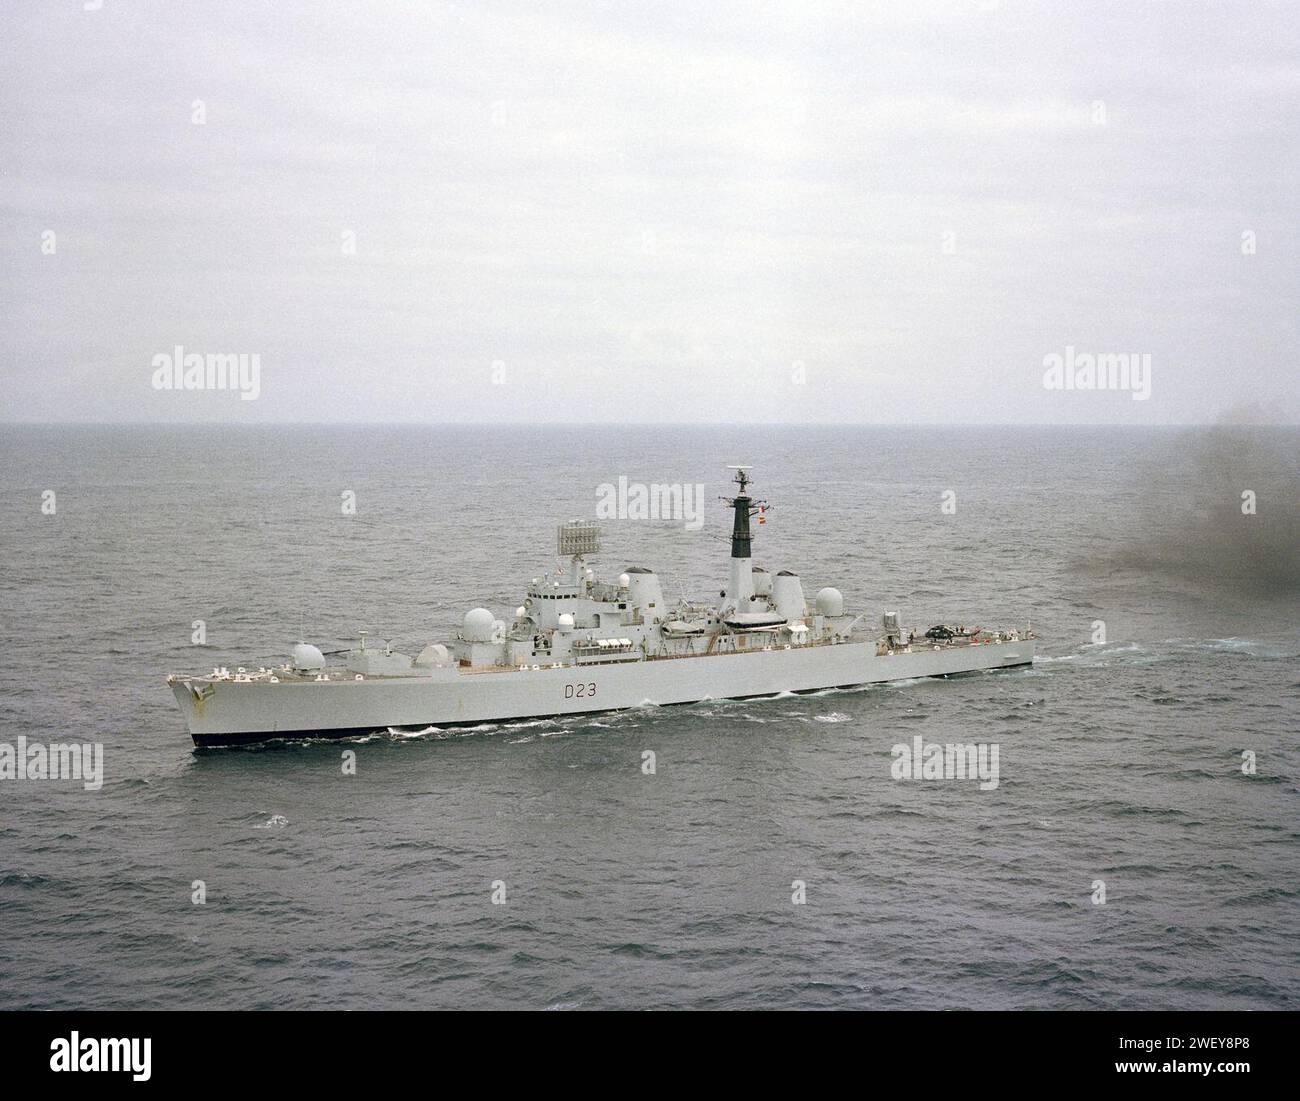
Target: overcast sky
{"type": "Point", "coordinates": [649, 212]}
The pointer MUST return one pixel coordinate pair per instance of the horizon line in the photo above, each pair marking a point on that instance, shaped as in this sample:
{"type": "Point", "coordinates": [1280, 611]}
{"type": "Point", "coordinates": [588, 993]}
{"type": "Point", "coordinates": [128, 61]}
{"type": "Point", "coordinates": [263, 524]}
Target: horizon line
{"type": "Point", "coordinates": [633, 424]}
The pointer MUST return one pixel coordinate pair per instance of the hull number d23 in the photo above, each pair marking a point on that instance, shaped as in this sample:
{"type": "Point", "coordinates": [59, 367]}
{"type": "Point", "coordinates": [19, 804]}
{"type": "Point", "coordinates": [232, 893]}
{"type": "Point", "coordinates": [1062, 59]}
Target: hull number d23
{"type": "Point", "coordinates": [577, 691]}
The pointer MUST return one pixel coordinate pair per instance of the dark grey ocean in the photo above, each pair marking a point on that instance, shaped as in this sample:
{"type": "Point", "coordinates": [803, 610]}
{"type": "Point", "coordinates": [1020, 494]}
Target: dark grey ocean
{"type": "Point", "coordinates": [1120, 761]}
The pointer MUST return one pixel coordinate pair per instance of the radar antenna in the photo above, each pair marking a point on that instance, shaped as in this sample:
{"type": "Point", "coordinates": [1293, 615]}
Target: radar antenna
{"type": "Point", "coordinates": [741, 479]}
{"type": "Point", "coordinates": [577, 539]}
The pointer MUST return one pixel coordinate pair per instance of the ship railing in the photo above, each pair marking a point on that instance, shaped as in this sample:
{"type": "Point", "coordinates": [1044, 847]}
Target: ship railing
{"type": "Point", "coordinates": [831, 641]}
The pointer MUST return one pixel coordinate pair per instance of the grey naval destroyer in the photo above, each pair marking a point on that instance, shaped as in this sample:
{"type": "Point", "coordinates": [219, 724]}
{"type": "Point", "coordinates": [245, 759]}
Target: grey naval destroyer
{"type": "Point", "coordinates": [578, 645]}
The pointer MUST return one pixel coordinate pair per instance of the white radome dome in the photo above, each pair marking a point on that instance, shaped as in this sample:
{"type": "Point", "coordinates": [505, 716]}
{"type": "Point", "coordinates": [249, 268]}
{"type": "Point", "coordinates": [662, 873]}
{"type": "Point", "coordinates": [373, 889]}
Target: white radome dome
{"type": "Point", "coordinates": [479, 624]}
{"type": "Point", "coordinates": [433, 654]}
{"type": "Point", "coordinates": [307, 658]}
{"type": "Point", "coordinates": [830, 602]}
{"type": "Point", "coordinates": [624, 581]}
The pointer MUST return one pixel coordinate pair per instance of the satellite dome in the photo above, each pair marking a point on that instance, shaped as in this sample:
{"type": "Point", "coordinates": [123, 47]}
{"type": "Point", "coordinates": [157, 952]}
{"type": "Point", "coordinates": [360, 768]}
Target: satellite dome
{"type": "Point", "coordinates": [479, 623]}
{"type": "Point", "coordinates": [830, 602]}
{"type": "Point", "coordinates": [624, 580]}
{"type": "Point", "coordinates": [433, 654]}
{"type": "Point", "coordinates": [307, 659]}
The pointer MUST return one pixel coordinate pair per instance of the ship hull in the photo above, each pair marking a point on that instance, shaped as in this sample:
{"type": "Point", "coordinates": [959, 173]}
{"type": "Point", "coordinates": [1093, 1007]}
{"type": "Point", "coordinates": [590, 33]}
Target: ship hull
{"type": "Point", "coordinates": [237, 713]}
